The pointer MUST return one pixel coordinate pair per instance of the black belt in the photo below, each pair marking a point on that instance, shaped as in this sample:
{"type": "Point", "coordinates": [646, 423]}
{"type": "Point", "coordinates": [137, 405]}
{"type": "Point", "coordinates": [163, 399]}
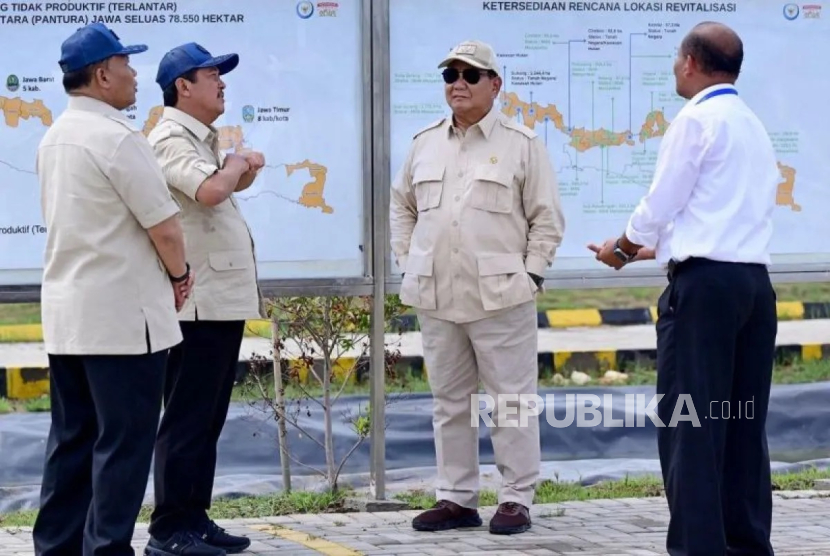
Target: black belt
{"type": "Point", "coordinates": [674, 266]}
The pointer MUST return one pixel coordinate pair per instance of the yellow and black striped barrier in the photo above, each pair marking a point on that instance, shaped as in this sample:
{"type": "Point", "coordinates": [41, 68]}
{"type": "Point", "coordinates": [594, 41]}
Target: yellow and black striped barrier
{"type": "Point", "coordinates": [554, 318]}
{"type": "Point", "coordinates": [578, 318]}
{"type": "Point", "coordinates": [23, 383]}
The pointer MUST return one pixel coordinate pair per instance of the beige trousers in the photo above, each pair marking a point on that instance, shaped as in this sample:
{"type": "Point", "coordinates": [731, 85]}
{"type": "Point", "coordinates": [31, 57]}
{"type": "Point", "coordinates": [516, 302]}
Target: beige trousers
{"type": "Point", "coordinates": [502, 352]}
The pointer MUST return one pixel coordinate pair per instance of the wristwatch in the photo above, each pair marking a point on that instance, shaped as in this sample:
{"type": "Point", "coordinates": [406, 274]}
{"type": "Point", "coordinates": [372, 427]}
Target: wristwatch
{"type": "Point", "coordinates": [183, 277]}
{"type": "Point", "coordinates": [622, 255]}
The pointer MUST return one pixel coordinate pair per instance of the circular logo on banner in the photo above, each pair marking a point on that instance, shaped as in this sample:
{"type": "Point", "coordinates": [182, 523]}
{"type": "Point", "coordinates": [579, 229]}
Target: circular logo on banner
{"type": "Point", "coordinates": [12, 83]}
{"type": "Point", "coordinates": [305, 9]}
{"type": "Point", "coordinates": [791, 11]}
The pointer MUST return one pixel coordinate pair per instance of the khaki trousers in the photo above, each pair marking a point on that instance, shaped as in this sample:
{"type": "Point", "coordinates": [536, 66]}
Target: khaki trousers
{"type": "Point", "coordinates": [502, 352]}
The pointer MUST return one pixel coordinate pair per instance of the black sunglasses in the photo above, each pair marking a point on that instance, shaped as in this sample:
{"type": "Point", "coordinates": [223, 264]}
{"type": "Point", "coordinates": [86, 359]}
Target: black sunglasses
{"type": "Point", "coordinates": [470, 75]}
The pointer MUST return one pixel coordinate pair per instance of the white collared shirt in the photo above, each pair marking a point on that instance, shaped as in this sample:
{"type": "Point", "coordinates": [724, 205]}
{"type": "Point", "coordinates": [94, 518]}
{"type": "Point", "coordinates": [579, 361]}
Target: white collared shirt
{"type": "Point", "coordinates": [714, 186]}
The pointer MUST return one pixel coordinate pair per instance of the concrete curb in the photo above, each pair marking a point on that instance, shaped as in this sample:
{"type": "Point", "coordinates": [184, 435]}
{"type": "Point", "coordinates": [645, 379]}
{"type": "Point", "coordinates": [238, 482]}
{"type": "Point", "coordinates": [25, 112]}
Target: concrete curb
{"type": "Point", "coordinates": [21, 383]}
{"type": "Point", "coordinates": [554, 318]}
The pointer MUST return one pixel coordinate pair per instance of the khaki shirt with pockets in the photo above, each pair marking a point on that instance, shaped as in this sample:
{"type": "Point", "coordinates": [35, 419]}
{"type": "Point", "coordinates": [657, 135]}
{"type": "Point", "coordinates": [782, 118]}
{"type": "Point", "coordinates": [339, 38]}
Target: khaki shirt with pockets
{"type": "Point", "coordinates": [471, 215]}
{"type": "Point", "coordinates": [219, 245]}
{"type": "Point", "coordinates": [105, 290]}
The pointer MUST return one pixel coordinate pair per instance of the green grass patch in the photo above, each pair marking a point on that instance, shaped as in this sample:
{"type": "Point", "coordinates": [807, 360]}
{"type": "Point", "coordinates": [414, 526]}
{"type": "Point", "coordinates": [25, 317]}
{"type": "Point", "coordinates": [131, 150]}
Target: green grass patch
{"type": "Point", "coordinates": [645, 486]}
{"type": "Point", "coordinates": [300, 502]}
{"type": "Point", "coordinates": [249, 391]}
{"type": "Point", "coordinates": [553, 492]}
{"type": "Point", "coordinates": [19, 313]}
{"type": "Point", "coordinates": [547, 492]}
{"type": "Point", "coordinates": [35, 405]}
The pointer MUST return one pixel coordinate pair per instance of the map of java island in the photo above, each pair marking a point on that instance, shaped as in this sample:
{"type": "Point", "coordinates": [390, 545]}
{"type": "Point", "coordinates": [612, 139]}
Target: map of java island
{"type": "Point", "coordinates": [582, 139]}
{"type": "Point", "coordinates": [231, 137]}
{"type": "Point", "coordinates": [533, 113]}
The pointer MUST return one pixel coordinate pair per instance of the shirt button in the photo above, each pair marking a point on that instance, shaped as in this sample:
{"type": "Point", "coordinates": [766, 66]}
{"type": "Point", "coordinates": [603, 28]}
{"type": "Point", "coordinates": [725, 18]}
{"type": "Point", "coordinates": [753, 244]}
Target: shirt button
{"type": "Point", "coordinates": [460, 174]}
{"type": "Point", "coordinates": [455, 223]}
{"type": "Point", "coordinates": [463, 148]}
{"type": "Point", "coordinates": [455, 250]}
{"type": "Point", "coordinates": [458, 197]}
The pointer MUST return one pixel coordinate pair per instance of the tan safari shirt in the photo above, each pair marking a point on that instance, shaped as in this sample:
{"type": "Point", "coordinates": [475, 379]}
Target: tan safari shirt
{"type": "Point", "coordinates": [105, 290]}
{"type": "Point", "coordinates": [219, 245]}
{"type": "Point", "coordinates": [471, 214]}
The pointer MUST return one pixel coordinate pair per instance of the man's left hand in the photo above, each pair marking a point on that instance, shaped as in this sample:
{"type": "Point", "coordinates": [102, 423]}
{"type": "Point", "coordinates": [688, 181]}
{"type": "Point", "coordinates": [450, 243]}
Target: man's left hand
{"type": "Point", "coordinates": [538, 280]}
{"type": "Point", "coordinates": [605, 253]}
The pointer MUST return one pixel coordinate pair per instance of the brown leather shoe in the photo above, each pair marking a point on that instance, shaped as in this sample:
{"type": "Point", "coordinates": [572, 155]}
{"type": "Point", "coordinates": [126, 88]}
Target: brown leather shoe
{"type": "Point", "coordinates": [510, 518]}
{"type": "Point", "coordinates": [446, 515]}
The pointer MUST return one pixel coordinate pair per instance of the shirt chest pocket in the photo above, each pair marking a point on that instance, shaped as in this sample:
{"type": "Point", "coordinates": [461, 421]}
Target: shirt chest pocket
{"type": "Point", "coordinates": [428, 183]}
{"type": "Point", "coordinates": [222, 261]}
{"type": "Point", "coordinates": [492, 189]}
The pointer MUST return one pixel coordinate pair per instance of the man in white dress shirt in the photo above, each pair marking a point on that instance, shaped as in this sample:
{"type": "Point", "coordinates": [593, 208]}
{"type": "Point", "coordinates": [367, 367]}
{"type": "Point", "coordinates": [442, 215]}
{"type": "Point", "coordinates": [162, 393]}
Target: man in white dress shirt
{"type": "Point", "coordinates": [708, 219]}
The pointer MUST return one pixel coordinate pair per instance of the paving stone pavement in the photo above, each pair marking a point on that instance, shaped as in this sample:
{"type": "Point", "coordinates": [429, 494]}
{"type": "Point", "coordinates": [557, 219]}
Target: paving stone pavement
{"type": "Point", "coordinates": [620, 527]}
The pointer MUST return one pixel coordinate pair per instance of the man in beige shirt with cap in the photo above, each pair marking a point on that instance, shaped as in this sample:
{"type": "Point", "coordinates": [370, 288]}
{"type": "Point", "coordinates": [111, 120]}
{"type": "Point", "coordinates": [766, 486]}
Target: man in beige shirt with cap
{"type": "Point", "coordinates": [202, 369]}
{"type": "Point", "coordinates": [475, 221]}
{"type": "Point", "coordinates": [114, 244]}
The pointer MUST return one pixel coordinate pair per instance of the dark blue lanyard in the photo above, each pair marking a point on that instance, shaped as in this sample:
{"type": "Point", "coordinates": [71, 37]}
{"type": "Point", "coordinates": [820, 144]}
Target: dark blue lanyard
{"type": "Point", "coordinates": [718, 92]}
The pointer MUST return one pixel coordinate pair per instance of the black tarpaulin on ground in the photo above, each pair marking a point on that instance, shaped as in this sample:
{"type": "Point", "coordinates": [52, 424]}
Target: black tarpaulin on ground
{"type": "Point", "coordinates": [798, 431]}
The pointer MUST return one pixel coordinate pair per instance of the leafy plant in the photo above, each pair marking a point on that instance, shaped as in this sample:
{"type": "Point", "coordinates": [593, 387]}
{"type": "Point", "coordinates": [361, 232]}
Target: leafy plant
{"type": "Point", "coordinates": [323, 341]}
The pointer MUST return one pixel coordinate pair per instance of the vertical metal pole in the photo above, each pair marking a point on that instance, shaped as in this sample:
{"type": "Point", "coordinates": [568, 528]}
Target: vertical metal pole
{"type": "Point", "coordinates": [378, 387]}
{"type": "Point", "coordinates": [375, 20]}
{"type": "Point", "coordinates": [279, 399]}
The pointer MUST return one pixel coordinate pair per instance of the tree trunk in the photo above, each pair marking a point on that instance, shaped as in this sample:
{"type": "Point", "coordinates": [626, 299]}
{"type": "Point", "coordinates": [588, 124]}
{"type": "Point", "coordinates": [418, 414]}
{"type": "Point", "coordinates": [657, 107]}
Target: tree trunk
{"type": "Point", "coordinates": [329, 441]}
{"type": "Point", "coordinates": [279, 400]}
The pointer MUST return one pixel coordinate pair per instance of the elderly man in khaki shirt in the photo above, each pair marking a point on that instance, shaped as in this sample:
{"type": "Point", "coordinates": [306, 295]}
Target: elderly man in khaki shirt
{"type": "Point", "coordinates": [113, 245]}
{"type": "Point", "coordinates": [219, 246]}
{"type": "Point", "coordinates": [475, 221]}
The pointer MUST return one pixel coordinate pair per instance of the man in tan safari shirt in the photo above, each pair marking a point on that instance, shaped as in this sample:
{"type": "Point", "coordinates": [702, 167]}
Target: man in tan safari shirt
{"type": "Point", "coordinates": [475, 221]}
{"type": "Point", "coordinates": [219, 247]}
{"type": "Point", "coordinates": [114, 272]}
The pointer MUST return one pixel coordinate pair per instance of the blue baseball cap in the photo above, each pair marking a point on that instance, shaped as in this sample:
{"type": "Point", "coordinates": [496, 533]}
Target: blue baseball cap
{"type": "Point", "coordinates": [190, 56]}
{"type": "Point", "coordinates": [91, 44]}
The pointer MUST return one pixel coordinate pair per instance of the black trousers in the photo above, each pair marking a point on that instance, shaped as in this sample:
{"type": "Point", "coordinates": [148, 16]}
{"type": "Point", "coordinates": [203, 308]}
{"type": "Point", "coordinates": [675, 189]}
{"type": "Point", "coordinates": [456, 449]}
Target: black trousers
{"type": "Point", "coordinates": [105, 412]}
{"type": "Point", "coordinates": [716, 334]}
{"type": "Point", "coordinates": [197, 392]}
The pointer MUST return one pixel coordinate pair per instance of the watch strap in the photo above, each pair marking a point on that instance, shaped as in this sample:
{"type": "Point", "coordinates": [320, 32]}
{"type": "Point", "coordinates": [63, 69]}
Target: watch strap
{"type": "Point", "coordinates": [183, 277]}
{"type": "Point", "coordinates": [622, 255]}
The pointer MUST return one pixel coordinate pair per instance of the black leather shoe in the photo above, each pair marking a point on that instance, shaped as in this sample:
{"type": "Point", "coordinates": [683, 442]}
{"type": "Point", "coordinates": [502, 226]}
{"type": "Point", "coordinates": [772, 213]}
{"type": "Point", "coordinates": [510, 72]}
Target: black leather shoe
{"type": "Point", "coordinates": [510, 519]}
{"type": "Point", "coordinates": [214, 535]}
{"type": "Point", "coordinates": [446, 515]}
{"type": "Point", "coordinates": [183, 543]}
